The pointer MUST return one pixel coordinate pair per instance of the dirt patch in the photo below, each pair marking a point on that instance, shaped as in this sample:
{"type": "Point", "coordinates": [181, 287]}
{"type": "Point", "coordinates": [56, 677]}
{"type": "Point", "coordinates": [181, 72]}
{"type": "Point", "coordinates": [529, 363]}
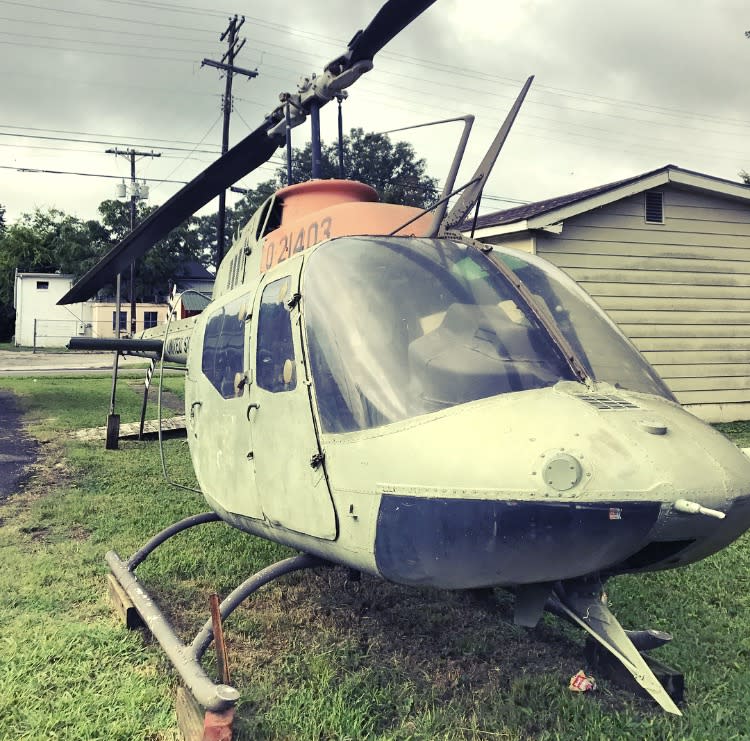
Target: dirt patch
{"type": "Point", "coordinates": [450, 646]}
{"type": "Point", "coordinates": [18, 450]}
{"type": "Point", "coordinates": [37, 532]}
{"type": "Point", "coordinates": [169, 400]}
{"type": "Point", "coordinates": [78, 532]}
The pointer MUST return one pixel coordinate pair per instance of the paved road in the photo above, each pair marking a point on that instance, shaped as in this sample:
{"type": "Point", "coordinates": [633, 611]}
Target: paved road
{"type": "Point", "coordinates": [23, 362]}
{"type": "Point", "coordinates": [17, 450]}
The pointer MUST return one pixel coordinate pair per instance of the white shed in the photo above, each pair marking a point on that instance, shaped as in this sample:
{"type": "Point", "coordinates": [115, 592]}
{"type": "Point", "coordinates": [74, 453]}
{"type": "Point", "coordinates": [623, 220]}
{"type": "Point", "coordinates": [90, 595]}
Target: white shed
{"type": "Point", "coordinates": [667, 255]}
{"type": "Point", "coordinates": [40, 322]}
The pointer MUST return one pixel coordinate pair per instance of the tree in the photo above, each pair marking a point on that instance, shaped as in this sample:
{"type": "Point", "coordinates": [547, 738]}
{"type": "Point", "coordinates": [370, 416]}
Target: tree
{"type": "Point", "coordinates": [206, 230]}
{"type": "Point", "coordinates": [392, 169]}
{"type": "Point", "coordinates": [745, 177]}
{"type": "Point", "coordinates": [153, 271]}
{"type": "Point", "coordinates": [43, 241]}
{"type": "Point", "coordinates": [47, 241]}
{"type": "Point", "coordinates": [52, 241]}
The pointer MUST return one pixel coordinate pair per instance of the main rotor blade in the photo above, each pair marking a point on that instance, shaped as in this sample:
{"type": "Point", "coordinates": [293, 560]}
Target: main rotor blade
{"type": "Point", "coordinates": [253, 151]}
{"type": "Point", "coordinates": [389, 21]}
{"type": "Point", "coordinates": [469, 197]}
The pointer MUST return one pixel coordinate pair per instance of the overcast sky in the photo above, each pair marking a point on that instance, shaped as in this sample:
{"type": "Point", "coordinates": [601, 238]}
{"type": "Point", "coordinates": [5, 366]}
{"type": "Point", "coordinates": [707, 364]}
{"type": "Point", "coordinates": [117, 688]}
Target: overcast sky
{"type": "Point", "coordinates": [621, 88]}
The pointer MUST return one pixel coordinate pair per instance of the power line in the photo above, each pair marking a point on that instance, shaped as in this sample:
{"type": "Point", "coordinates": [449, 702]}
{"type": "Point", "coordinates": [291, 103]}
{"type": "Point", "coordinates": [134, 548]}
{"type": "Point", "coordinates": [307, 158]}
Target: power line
{"type": "Point", "coordinates": [92, 29]}
{"type": "Point", "coordinates": [138, 21]}
{"type": "Point", "coordinates": [191, 10]}
{"type": "Point", "coordinates": [187, 156]}
{"type": "Point", "coordinates": [93, 51]}
{"type": "Point", "coordinates": [14, 73]}
{"type": "Point", "coordinates": [108, 44]}
{"type": "Point", "coordinates": [429, 64]}
{"type": "Point", "coordinates": [97, 141]}
{"type": "Point", "coordinates": [40, 171]}
{"type": "Point", "coordinates": [89, 133]}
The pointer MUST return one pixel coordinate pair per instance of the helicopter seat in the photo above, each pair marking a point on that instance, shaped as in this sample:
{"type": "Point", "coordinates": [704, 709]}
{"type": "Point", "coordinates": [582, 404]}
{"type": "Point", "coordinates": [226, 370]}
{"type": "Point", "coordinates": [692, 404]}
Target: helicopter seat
{"type": "Point", "coordinates": [475, 352]}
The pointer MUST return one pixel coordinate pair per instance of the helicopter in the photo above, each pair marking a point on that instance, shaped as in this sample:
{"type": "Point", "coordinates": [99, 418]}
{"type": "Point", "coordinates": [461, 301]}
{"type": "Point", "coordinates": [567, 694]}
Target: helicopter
{"type": "Point", "coordinates": [376, 390]}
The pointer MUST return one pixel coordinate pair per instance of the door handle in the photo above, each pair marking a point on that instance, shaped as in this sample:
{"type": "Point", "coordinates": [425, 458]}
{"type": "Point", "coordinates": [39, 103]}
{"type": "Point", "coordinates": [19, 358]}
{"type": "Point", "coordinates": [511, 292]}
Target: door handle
{"type": "Point", "coordinates": [193, 407]}
{"type": "Point", "coordinates": [252, 405]}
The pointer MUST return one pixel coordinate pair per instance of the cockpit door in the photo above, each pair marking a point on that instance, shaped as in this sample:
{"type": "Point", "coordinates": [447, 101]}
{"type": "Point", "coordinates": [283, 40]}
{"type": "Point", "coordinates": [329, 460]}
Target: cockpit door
{"type": "Point", "coordinates": [218, 427]}
{"type": "Point", "coordinates": [290, 474]}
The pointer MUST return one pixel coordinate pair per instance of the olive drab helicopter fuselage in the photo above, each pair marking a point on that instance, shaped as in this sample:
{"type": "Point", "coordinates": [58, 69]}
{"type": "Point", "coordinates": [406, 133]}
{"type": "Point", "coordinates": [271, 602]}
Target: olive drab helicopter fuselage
{"type": "Point", "coordinates": [398, 404]}
{"type": "Point", "coordinates": [377, 391]}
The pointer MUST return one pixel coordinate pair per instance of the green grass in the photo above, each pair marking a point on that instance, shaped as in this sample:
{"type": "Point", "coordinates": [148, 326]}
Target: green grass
{"type": "Point", "coordinates": [739, 432]}
{"type": "Point", "coordinates": [314, 656]}
{"type": "Point", "coordinates": [11, 347]}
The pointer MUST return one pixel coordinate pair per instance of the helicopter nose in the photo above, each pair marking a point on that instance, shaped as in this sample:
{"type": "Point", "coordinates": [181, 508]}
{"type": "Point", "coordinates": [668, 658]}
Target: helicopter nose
{"type": "Point", "coordinates": [468, 543]}
{"type": "Point", "coordinates": [546, 485]}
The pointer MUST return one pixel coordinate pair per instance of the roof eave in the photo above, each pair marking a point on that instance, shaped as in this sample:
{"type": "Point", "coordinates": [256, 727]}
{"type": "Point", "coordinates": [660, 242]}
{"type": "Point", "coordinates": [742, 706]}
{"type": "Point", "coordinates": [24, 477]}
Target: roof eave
{"type": "Point", "coordinates": [669, 174]}
{"type": "Point", "coordinates": [492, 231]}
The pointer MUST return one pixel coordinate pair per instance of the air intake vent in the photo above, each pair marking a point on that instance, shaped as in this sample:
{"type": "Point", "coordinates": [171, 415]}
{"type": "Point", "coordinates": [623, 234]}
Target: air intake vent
{"type": "Point", "coordinates": [654, 207]}
{"type": "Point", "coordinates": [607, 402]}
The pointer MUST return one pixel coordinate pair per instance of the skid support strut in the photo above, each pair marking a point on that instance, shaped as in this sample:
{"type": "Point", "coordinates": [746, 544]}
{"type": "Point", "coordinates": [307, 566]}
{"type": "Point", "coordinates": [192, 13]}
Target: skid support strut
{"type": "Point", "coordinates": [584, 603]}
{"type": "Point", "coordinates": [213, 697]}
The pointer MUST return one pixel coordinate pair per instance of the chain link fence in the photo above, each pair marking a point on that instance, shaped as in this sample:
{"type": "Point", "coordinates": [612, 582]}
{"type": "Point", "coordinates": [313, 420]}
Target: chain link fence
{"type": "Point", "coordinates": [50, 333]}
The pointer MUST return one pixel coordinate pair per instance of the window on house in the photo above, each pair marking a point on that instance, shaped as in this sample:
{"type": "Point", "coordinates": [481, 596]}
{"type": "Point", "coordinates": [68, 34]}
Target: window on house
{"type": "Point", "coordinates": [654, 207]}
{"type": "Point", "coordinates": [123, 321]}
{"type": "Point", "coordinates": [149, 319]}
{"type": "Point", "coordinates": [42, 285]}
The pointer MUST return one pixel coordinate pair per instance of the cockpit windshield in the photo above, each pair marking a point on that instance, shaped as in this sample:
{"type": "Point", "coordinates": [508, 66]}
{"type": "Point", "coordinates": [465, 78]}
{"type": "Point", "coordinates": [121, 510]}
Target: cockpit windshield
{"type": "Point", "coordinates": [598, 343]}
{"type": "Point", "coordinates": [397, 328]}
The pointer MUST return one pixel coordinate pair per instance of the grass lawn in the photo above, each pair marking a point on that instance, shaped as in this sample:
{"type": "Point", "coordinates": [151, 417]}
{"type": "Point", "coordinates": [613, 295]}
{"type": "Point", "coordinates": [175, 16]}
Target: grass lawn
{"type": "Point", "coordinates": [314, 656]}
{"type": "Point", "coordinates": [11, 347]}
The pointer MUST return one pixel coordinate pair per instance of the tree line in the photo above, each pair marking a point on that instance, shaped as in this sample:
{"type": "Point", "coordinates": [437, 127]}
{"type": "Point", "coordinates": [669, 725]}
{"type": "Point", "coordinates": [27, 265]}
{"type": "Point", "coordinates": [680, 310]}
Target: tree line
{"type": "Point", "coordinates": [49, 240]}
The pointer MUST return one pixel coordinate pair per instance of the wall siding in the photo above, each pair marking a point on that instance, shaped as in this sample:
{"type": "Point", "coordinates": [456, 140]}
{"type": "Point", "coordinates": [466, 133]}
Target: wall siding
{"type": "Point", "coordinates": [680, 290]}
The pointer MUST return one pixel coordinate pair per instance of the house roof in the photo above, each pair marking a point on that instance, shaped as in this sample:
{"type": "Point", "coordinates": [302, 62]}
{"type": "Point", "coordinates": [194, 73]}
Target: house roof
{"type": "Point", "coordinates": [65, 276]}
{"type": "Point", "coordinates": [194, 301]}
{"type": "Point", "coordinates": [552, 210]}
{"type": "Point", "coordinates": [192, 270]}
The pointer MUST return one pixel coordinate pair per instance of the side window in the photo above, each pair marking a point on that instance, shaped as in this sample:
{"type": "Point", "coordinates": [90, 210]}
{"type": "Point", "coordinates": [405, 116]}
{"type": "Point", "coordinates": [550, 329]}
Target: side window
{"type": "Point", "coordinates": [223, 343]}
{"type": "Point", "coordinates": [274, 362]}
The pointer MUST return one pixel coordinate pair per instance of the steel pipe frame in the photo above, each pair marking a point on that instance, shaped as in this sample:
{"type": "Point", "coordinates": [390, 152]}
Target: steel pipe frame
{"type": "Point", "coordinates": [186, 659]}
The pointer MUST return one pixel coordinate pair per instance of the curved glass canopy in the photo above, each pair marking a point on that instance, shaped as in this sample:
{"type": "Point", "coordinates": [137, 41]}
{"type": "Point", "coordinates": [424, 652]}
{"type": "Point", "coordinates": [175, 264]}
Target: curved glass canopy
{"type": "Point", "coordinates": [598, 342]}
{"type": "Point", "coordinates": [399, 327]}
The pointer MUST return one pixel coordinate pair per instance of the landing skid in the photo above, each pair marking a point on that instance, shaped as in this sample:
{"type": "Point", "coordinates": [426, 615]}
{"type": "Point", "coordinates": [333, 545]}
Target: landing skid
{"type": "Point", "coordinates": [584, 604]}
{"type": "Point", "coordinates": [218, 700]}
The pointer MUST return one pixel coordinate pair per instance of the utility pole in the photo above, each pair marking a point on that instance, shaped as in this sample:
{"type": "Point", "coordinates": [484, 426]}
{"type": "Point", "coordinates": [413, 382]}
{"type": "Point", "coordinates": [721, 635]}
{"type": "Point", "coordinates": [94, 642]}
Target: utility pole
{"type": "Point", "coordinates": [136, 192]}
{"type": "Point", "coordinates": [234, 45]}
{"type": "Point", "coordinates": [113, 420]}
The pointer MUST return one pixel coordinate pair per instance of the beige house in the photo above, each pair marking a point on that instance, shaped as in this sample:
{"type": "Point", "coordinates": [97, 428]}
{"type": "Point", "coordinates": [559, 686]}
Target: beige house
{"type": "Point", "coordinates": [667, 255]}
{"type": "Point", "coordinates": [104, 324]}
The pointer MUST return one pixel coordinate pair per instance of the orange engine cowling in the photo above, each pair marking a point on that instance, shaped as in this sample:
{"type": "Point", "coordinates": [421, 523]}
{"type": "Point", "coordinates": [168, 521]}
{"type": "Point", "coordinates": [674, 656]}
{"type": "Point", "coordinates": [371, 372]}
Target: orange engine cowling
{"type": "Point", "coordinates": [319, 210]}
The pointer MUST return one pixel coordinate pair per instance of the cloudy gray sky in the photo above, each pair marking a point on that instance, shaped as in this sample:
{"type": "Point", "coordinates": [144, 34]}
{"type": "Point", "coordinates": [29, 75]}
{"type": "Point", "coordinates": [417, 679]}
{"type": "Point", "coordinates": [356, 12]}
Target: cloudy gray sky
{"type": "Point", "coordinates": [621, 88]}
